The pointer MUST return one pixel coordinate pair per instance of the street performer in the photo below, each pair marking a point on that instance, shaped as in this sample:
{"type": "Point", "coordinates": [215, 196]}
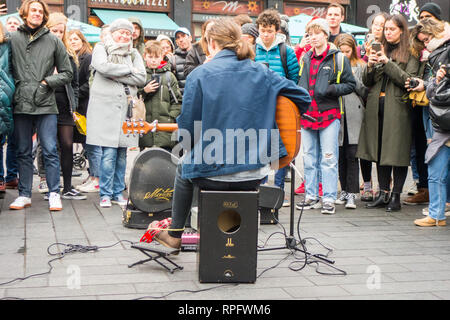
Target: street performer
{"type": "Point", "coordinates": [228, 95]}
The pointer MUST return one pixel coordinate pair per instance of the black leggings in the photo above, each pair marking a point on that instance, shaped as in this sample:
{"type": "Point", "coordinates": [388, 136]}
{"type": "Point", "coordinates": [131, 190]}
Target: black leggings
{"type": "Point", "coordinates": [366, 169]}
{"type": "Point", "coordinates": [65, 139]}
{"type": "Point", "coordinates": [384, 177]}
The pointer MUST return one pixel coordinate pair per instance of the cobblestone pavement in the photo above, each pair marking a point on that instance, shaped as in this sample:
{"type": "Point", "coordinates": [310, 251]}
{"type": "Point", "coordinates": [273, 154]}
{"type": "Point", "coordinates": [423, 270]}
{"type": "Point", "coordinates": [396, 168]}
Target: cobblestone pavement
{"type": "Point", "coordinates": [384, 256]}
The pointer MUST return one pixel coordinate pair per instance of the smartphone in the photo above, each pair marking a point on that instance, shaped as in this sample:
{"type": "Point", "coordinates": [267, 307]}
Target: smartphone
{"type": "Point", "coordinates": [156, 78]}
{"type": "Point", "coordinates": [370, 38]}
{"type": "Point", "coordinates": [376, 46]}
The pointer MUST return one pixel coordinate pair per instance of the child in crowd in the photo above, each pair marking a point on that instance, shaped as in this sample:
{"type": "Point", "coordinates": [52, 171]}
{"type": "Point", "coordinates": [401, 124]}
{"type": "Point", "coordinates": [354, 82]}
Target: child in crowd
{"type": "Point", "coordinates": [161, 95]}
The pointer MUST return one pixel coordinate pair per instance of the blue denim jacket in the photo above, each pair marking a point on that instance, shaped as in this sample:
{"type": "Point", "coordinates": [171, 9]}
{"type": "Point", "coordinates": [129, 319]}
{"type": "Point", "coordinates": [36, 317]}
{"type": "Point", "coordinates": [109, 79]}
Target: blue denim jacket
{"type": "Point", "coordinates": [231, 94]}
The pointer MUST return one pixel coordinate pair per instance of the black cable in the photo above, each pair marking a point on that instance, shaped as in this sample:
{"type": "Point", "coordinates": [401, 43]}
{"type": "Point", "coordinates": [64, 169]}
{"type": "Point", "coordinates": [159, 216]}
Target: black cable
{"type": "Point", "coordinates": [69, 248]}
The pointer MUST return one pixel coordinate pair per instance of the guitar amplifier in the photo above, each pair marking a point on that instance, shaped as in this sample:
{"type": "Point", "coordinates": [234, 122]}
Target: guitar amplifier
{"type": "Point", "coordinates": [270, 201]}
{"type": "Point", "coordinates": [136, 219]}
{"type": "Point", "coordinates": [228, 228]}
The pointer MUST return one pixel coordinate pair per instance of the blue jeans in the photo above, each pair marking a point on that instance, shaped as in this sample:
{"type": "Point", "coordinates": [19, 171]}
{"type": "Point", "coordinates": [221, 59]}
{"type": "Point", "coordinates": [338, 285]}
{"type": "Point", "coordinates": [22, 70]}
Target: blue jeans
{"type": "Point", "coordinates": [321, 154]}
{"type": "Point", "coordinates": [280, 175]}
{"type": "Point", "coordinates": [438, 169]}
{"type": "Point", "coordinates": [112, 175]}
{"type": "Point", "coordinates": [46, 127]}
{"type": "Point", "coordinates": [94, 156]}
{"type": "Point", "coordinates": [11, 159]}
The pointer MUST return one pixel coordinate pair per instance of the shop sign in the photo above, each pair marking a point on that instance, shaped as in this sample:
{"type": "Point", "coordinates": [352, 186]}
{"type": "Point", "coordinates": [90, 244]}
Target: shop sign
{"type": "Point", "coordinates": [251, 7]}
{"type": "Point", "coordinates": [142, 5]}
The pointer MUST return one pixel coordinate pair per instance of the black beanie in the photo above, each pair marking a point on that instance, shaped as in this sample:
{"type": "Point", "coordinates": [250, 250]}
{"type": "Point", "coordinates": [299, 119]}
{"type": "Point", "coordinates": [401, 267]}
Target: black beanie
{"type": "Point", "coordinates": [432, 8]}
{"type": "Point", "coordinates": [251, 29]}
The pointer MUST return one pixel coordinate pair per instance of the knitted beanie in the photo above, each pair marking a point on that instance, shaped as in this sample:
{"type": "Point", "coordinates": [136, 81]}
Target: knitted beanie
{"type": "Point", "coordinates": [432, 8]}
{"type": "Point", "coordinates": [321, 23]}
{"type": "Point", "coordinates": [120, 24]}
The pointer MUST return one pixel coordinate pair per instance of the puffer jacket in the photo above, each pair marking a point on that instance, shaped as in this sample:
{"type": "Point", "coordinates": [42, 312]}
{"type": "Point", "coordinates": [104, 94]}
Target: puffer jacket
{"type": "Point", "coordinates": [34, 58]}
{"type": "Point", "coordinates": [161, 106]}
{"type": "Point", "coordinates": [180, 61]}
{"type": "Point", "coordinates": [6, 89]}
{"type": "Point", "coordinates": [273, 58]}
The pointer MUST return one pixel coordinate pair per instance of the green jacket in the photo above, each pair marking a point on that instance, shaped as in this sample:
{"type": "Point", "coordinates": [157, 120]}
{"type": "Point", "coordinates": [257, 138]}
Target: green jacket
{"type": "Point", "coordinates": [34, 59]}
{"type": "Point", "coordinates": [161, 106]}
{"type": "Point", "coordinates": [397, 121]}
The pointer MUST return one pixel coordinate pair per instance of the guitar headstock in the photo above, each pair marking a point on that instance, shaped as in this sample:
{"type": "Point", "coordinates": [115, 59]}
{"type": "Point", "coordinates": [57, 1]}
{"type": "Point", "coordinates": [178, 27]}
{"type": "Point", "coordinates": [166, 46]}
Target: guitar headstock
{"type": "Point", "coordinates": [139, 127]}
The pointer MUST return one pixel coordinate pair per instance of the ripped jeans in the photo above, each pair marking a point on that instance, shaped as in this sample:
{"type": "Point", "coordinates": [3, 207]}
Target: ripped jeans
{"type": "Point", "coordinates": [321, 145]}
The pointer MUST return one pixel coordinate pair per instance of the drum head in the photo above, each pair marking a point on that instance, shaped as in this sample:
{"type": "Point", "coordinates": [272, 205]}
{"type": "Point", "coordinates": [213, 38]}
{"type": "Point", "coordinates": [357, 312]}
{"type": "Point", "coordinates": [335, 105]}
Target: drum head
{"type": "Point", "coordinates": [152, 180]}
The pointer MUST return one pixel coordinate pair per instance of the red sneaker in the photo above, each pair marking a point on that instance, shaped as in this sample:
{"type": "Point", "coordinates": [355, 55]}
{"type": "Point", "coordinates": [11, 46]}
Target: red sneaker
{"type": "Point", "coordinates": [300, 189]}
{"type": "Point", "coordinates": [320, 190]}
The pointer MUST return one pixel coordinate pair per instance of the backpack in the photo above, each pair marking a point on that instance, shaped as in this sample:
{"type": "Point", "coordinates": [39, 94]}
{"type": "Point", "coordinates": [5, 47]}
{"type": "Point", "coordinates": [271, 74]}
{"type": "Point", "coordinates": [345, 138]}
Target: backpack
{"type": "Point", "coordinates": [172, 93]}
{"type": "Point", "coordinates": [283, 56]}
{"type": "Point", "coordinates": [338, 61]}
{"type": "Point", "coordinates": [440, 107]}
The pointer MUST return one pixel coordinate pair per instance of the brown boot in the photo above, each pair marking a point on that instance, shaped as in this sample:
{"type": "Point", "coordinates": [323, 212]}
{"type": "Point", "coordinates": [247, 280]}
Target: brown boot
{"type": "Point", "coordinates": [421, 197]}
{"type": "Point", "coordinates": [429, 222]}
{"type": "Point", "coordinates": [166, 240]}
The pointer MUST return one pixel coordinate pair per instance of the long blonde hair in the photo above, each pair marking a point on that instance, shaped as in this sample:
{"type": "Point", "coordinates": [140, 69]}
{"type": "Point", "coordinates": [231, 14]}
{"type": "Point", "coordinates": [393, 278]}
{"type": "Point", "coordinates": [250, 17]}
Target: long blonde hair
{"type": "Point", "coordinates": [227, 35]}
{"type": "Point", "coordinates": [56, 18]}
{"type": "Point", "coordinates": [429, 27]}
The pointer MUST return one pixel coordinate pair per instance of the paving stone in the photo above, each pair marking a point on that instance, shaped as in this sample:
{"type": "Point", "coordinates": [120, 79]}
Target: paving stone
{"type": "Point", "coordinates": [316, 292]}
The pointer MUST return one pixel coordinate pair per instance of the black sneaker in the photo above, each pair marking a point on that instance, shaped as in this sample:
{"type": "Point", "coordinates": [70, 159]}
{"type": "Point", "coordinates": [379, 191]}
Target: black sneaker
{"type": "Point", "coordinates": [73, 195]}
{"type": "Point", "coordinates": [328, 208]}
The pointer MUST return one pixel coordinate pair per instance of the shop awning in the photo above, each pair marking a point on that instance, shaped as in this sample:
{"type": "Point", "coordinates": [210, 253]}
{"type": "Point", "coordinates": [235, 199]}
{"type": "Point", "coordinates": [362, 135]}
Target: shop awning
{"type": "Point", "coordinates": [153, 23]}
{"type": "Point", "coordinates": [91, 32]}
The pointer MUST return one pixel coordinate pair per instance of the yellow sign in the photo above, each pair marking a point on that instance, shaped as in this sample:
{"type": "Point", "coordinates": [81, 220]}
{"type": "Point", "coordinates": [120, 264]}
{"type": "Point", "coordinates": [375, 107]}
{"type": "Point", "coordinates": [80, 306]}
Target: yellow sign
{"type": "Point", "coordinates": [160, 194]}
{"type": "Point", "coordinates": [230, 204]}
{"type": "Point", "coordinates": [230, 243]}
{"type": "Point", "coordinates": [229, 256]}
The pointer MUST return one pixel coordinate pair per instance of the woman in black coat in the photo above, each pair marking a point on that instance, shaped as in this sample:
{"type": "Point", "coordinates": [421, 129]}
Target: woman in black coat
{"type": "Point", "coordinates": [84, 53]}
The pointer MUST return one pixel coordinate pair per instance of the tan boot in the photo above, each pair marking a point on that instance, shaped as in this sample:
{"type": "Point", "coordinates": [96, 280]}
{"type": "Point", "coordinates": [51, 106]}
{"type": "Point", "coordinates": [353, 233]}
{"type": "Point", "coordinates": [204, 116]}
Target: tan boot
{"type": "Point", "coordinates": [429, 222]}
{"type": "Point", "coordinates": [166, 240]}
{"type": "Point", "coordinates": [421, 197]}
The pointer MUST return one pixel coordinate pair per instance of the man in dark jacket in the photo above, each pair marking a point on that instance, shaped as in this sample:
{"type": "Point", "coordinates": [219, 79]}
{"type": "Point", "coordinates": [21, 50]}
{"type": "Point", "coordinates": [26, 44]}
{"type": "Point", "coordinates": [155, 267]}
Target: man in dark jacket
{"type": "Point", "coordinates": [183, 39]}
{"type": "Point", "coordinates": [35, 55]}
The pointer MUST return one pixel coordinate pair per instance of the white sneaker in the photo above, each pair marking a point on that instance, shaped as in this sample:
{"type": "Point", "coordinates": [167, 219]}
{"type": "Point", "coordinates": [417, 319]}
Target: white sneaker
{"type": "Point", "coordinates": [84, 184]}
{"type": "Point", "coordinates": [90, 188]}
{"type": "Point", "coordinates": [54, 202]}
{"type": "Point", "coordinates": [20, 203]}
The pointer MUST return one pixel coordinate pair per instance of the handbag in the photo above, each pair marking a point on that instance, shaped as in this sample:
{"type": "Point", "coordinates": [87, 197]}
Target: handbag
{"type": "Point", "coordinates": [79, 119]}
{"type": "Point", "coordinates": [136, 106]}
{"type": "Point", "coordinates": [419, 98]}
{"type": "Point", "coordinates": [80, 122]}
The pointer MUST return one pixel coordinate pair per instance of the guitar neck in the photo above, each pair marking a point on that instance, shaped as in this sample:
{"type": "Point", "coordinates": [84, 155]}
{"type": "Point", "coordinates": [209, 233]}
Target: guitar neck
{"type": "Point", "coordinates": [143, 127]}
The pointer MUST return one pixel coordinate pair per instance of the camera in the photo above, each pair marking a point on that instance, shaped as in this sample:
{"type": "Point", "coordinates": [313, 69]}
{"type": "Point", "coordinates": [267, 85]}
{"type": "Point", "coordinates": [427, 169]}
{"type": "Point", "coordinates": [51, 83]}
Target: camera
{"type": "Point", "coordinates": [413, 83]}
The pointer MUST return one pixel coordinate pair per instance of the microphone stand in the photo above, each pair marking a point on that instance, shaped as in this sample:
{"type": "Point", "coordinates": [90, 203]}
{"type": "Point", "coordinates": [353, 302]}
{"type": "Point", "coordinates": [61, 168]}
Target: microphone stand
{"type": "Point", "coordinates": [291, 241]}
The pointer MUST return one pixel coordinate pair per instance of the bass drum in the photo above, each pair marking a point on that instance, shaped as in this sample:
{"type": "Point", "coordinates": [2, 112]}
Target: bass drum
{"type": "Point", "coordinates": [152, 180]}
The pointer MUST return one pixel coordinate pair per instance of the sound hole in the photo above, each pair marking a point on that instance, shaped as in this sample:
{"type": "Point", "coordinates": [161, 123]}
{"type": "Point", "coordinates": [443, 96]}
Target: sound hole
{"type": "Point", "coordinates": [229, 221]}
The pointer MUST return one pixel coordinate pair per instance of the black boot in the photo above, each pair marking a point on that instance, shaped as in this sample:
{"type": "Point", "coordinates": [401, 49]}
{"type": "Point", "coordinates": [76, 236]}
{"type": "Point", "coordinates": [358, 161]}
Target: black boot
{"type": "Point", "coordinates": [394, 203]}
{"type": "Point", "coordinates": [380, 201]}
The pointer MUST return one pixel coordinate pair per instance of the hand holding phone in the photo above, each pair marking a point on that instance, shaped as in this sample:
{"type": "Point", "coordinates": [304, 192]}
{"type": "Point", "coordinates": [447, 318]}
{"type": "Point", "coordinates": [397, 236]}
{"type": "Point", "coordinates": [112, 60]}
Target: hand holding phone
{"type": "Point", "coordinates": [376, 46]}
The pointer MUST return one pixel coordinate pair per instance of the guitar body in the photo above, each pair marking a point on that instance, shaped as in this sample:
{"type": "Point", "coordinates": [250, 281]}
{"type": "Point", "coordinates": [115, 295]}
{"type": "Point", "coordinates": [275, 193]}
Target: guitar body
{"type": "Point", "coordinates": [287, 117]}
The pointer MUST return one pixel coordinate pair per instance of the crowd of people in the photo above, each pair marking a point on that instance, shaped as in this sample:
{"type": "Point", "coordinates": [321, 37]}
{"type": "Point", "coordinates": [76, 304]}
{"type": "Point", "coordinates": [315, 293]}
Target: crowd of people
{"type": "Point", "coordinates": [384, 102]}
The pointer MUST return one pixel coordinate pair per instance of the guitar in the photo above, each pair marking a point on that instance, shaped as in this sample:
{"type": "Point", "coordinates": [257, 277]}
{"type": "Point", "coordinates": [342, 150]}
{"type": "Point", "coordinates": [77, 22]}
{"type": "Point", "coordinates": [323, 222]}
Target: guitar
{"type": "Point", "coordinates": [287, 118]}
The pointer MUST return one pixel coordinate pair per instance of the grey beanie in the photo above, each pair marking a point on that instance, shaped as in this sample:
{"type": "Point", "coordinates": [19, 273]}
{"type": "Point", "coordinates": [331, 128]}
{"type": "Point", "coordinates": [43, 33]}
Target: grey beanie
{"type": "Point", "coordinates": [321, 23]}
{"type": "Point", "coordinates": [120, 24]}
{"type": "Point", "coordinates": [251, 29]}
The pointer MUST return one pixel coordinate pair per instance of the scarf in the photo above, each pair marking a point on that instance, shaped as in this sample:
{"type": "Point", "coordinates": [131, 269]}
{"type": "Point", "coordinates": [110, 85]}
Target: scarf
{"type": "Point", "coordinates": [118, 53]}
